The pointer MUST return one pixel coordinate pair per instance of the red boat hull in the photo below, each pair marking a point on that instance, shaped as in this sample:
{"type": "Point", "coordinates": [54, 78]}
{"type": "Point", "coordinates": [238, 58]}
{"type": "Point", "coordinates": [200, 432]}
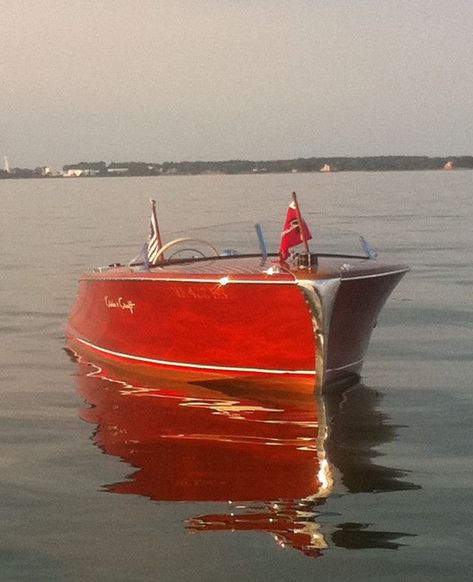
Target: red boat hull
{"type": "Point", "coordinates": [204, 327]}
{"type": "Point", "coordinates": [229, 318]}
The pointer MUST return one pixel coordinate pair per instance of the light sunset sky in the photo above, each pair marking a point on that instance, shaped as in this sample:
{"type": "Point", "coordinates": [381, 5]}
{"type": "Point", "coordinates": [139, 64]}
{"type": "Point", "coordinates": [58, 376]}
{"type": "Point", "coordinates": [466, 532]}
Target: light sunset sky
{"type": "Point", "coordinates": [161, 80]}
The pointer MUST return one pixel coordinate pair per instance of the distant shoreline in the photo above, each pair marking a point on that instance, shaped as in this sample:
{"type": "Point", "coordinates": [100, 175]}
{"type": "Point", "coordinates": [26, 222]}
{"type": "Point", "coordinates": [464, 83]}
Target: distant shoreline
{"type": "Point", "coordinates": [236, 167]}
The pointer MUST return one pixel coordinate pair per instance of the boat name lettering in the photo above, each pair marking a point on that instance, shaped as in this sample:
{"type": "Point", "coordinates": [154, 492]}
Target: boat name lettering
{"type": "Point", "coordinates": [202, 293]}
{"type": "Point", "coordinates": [120, 303]}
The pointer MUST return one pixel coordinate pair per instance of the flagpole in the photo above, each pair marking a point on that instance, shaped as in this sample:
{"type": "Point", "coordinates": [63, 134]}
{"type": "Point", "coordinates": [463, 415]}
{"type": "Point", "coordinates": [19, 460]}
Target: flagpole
{"type": "Point", "coordinates": [155, 217]}
{"type": "Point", "coordinates": [299, 220]}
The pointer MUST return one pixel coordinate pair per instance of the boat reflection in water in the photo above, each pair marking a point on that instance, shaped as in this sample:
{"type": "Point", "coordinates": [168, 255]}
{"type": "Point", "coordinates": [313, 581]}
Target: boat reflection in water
{"type": "Point", "coordinates": [274, 462]}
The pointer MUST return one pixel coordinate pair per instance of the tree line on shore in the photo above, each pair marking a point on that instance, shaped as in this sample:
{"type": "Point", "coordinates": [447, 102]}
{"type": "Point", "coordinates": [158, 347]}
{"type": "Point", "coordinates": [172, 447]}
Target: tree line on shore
{"type": "Point", "coordinates": [313, 164]}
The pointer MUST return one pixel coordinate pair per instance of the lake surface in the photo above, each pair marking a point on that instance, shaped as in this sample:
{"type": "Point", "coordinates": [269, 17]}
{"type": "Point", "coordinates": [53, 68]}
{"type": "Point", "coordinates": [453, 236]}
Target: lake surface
{"type": "Point", "coordinates": [112, 479]}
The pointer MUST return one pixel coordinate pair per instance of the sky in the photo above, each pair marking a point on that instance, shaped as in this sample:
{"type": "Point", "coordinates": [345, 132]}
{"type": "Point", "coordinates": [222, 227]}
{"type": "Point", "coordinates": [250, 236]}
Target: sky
{"type": "Point", "coordinates": [154, 81]}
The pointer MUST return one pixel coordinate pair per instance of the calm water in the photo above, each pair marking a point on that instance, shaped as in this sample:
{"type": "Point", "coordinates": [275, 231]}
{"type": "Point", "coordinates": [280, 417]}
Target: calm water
{"type": "Point", "coordinates": [107, 478]}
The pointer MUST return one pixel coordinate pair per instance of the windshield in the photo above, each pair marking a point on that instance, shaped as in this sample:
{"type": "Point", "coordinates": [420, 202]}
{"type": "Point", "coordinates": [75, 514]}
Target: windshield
{"type": "Point", "coordinates": [242, 238]}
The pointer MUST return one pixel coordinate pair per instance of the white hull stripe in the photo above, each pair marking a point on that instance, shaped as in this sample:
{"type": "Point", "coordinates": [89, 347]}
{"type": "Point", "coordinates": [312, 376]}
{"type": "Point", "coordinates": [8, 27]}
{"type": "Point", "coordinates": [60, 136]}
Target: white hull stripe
{"type": "Point", "coordinates": [177, 280]}
{"type": "Point", "coordinates": [345, 366]}
{"type": "Point", "coordinates": [344, 277]}
{"type": "Point", "coordinates": [195, 366]}
{"type": "Point", "coordinates": [385, 274]}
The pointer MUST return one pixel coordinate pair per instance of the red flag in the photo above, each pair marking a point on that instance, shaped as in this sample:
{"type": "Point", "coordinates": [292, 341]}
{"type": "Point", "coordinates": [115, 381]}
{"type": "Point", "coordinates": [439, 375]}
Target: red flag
{"type": "Point", "coordinates": [291, 234]}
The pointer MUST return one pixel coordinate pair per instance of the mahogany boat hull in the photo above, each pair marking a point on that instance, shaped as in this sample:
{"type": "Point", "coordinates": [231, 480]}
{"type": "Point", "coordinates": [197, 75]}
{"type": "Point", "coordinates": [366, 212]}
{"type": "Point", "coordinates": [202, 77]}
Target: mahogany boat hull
{"type": "Point", "coordinates": [234, 318]}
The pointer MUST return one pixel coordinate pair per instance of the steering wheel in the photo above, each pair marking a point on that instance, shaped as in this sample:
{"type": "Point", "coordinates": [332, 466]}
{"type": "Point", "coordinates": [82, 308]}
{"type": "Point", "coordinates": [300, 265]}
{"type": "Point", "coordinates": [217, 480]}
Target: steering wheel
{"type": "Point", "coordinates": [180, 241]}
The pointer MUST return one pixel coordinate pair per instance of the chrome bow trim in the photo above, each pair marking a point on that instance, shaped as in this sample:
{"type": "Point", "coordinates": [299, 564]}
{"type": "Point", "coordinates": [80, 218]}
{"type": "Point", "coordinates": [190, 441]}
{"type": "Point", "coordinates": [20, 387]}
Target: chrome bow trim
{"type": "Point", "coordinates": [320, 297]}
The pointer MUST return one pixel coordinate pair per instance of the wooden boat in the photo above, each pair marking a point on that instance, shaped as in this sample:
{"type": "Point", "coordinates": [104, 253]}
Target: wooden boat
{"type": "Point", "coordinates": [300, 321]}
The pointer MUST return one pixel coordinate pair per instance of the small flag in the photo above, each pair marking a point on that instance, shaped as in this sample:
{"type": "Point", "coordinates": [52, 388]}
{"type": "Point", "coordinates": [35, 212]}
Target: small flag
{"type": "Point", "coordinates": [154, 239]}
{"type": "Point", "coordinates": [292, 234]}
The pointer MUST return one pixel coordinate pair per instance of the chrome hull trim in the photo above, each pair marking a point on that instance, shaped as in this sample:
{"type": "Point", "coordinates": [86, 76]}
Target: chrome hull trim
{"type": "Point", "coordinates": [345, 367]}
{"type": "Point", "coordinates": [202, 367]}
{"type": "Point", "coordinates": [374, 275]}
{"type": "Point", "coordinates": [320, 297]}
{"type": "Point", "coordinates": [183, 280]}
